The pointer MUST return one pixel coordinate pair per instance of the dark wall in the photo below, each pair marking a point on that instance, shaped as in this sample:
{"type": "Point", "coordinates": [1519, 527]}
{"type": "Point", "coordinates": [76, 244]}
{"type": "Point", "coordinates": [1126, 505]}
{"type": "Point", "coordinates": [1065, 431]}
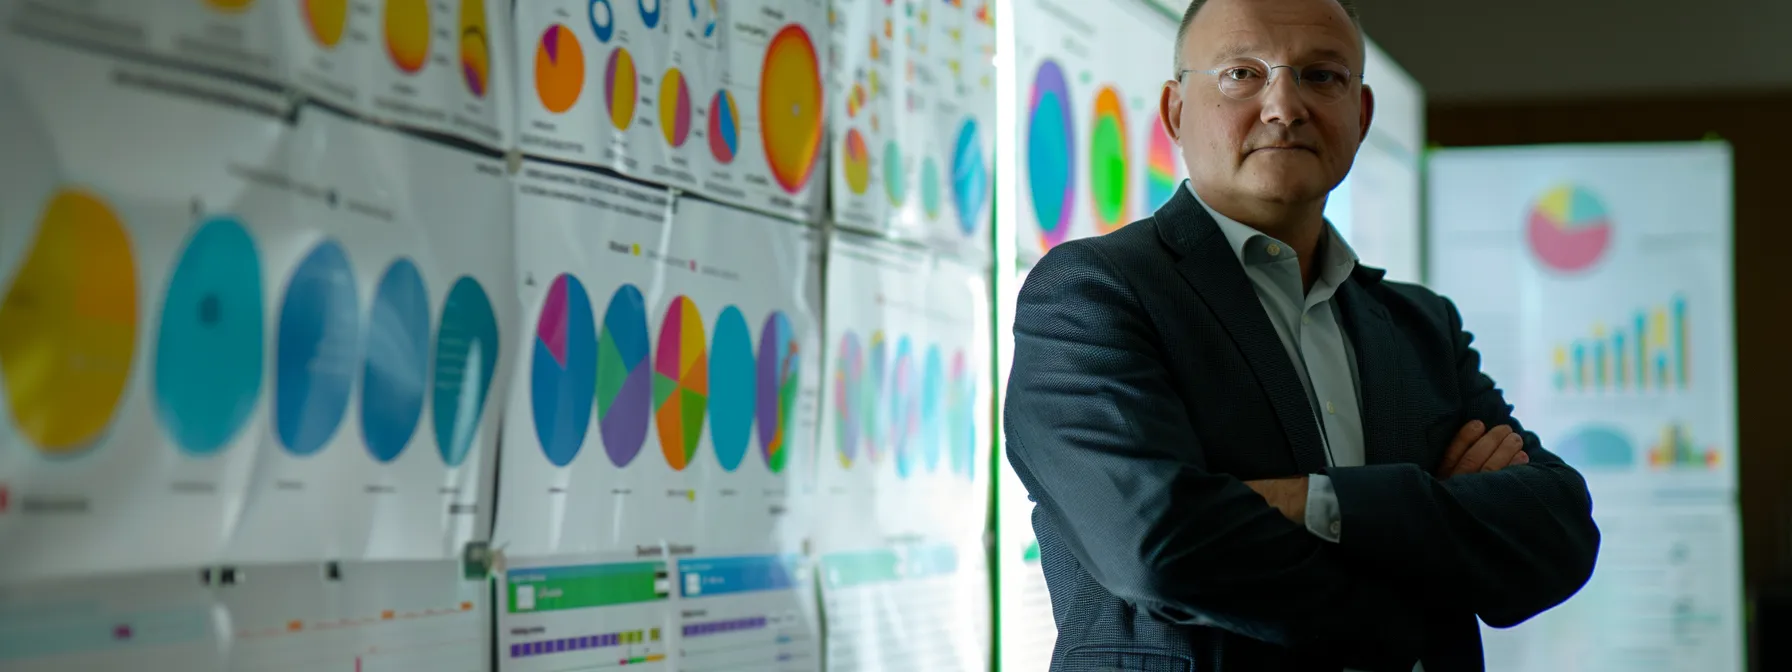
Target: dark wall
{"type": "Point", "coordinates": [1759, 128]}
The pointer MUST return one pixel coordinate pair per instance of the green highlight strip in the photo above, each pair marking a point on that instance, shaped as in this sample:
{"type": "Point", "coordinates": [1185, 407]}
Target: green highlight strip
{"type": "Point", "coordinates": [542, 589]}
{"type": "Point", "coordinates": [857, 568]}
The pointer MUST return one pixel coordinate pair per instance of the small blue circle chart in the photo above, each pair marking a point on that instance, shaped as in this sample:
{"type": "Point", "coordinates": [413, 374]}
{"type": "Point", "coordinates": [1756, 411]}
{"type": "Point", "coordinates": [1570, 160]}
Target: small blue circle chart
{"type": "Point", "coordinates": [317, 350]}
{"type": "Point", "coordinates": [396, 369]}
{"type": "Point", "coordinates": [465, 360]}
{"type": "Point", "coordinates": [208, 362]}
{"type": "Point", "coordinates": [603, 21]}
{"type": "Point", "coordinates": [733, 393]}
{"type": "Point", "coordinates": [650, 12]}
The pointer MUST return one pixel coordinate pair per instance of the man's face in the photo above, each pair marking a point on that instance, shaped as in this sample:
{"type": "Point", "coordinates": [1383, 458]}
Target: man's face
{"type": "Point", "coordinates": [1286, 144]}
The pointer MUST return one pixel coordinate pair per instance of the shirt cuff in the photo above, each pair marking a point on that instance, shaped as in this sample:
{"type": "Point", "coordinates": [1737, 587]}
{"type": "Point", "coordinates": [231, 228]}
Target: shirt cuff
{"type": "Point", "coordinates": [1323, 518]}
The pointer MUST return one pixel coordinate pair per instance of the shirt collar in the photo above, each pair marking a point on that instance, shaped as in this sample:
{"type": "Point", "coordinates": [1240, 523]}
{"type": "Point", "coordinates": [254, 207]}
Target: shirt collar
{"type": "Point", "coordinates": [1338, 258]}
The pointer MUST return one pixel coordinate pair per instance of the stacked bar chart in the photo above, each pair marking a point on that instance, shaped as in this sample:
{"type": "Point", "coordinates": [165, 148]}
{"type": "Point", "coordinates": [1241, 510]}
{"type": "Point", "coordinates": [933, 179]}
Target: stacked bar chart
{"type": "Point", "coordinates": [586, 617]}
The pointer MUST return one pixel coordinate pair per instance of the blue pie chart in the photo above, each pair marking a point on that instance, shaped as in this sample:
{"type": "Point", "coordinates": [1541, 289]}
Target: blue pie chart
{"type": "Point", "coordinates": [733, 388]}
{"type": "Point", "coordinates": [397, 364]}
{"type": "Point", "coordinates": [563, 373]}
{"type": "Point", "coordinates": [970, 179]}
{"type": "Point", "coordinates": [208, 365]}
{"type": "Point", "coordinates": [316, 357]}
{"type": "Point", "coordinates": [466, 357]}
{"type": "Point", "coordinates": [933, 381]}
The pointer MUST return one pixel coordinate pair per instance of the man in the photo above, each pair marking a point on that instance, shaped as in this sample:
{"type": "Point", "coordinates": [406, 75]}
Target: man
{"type": "Point", "coordinates": [1248, 452]}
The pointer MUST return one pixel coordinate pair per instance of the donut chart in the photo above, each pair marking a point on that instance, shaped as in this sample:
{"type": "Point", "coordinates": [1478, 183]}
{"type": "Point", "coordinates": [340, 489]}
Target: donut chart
{"type": "Point", "coordinates": [603, 20]}
{"type": "Point", "coordinates": [895, 178]}
{"type": "Point", "coordinates": [849, 388]}
{"type": "Point", "coordinates": [208, 366]}
{"type": "Point", "coordinates": [1110, 163]}
{"type": "Point", "coordinates": [932, 398]}
{"type": "Point", "coordinates": [790, 107]}
{"type": "Point", "coordinates": [559, 69]}
{"type": "Point", "coordinates": [563, 377]}
{"type": "Point", "coordinates": [680, 382]}
{"type": "Point", "coordinates": [407, 34]}
{"type": "Point", "coordinates": [68, 325]}
{"type": "Point", "coordinates": [619, 88]}
{"type": "Point", "coordinates": [650, 12]}
{"type": "Point", "coordinates": [1051, 154]}
{"type": "Point", "coordinates": [724, 127]}
{"type": "Point", "coordinates": [857, 162]}
{"type": "Point", "coordinates": [395, 375]}
{"type": "Point", "coordinates": [778, 384]}
{"type": "Point", "coordinates": [732, 390]}
{"type": "Point", "coordinates": [325, 20]}
{"type": "Point", "coordinates": [970, 177]}
{"type": "Point", "coordinates": [466, 357]}
{"type": "Point", "coordinates": [475, 47]}
{"type": "Point", "coordinates": [904, 401]}
{"type": "Point", "coordinates": [930, 188]}
{"type": "Point", "coordinates": [317, 351]}
{"type": "Point", "coordinates": [675, 108]}
{"type": "Point", "coordinates": [624, 376]}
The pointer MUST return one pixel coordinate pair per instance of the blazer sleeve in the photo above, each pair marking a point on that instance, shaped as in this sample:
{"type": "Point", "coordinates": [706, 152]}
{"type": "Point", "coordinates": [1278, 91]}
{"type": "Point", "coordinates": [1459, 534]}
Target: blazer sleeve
{"type": "Point", "coordinates": [1102, 442]}
{"type": "Point", "coordinates": [1507, 544]}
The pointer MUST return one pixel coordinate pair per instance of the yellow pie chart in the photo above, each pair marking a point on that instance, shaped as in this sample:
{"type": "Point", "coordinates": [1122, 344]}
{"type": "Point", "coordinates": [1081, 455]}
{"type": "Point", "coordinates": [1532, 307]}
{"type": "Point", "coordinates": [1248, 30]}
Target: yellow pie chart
{"type": "Point", "coordinates": [68, 324]}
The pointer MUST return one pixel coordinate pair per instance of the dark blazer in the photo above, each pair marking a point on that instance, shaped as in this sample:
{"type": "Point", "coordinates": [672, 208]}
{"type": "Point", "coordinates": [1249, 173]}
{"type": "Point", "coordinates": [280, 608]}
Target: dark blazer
{"type": "Point", "coordinates": [1148, 384]}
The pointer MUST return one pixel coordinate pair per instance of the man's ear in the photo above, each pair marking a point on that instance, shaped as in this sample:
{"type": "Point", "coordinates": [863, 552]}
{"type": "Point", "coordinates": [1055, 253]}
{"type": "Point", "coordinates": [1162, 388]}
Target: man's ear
{"type": "Point", "coordinates": [1368, 111]}
{"type": "Point", "coordinates": [1169, 110]}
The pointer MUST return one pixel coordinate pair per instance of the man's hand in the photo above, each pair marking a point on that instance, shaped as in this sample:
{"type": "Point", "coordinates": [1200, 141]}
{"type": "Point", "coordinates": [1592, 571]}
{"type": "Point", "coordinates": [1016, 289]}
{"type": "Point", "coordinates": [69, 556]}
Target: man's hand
{"type": "Point", "coordinates": [1477, 448]}
{"type": "Point", "coordinates": [1288, 495]}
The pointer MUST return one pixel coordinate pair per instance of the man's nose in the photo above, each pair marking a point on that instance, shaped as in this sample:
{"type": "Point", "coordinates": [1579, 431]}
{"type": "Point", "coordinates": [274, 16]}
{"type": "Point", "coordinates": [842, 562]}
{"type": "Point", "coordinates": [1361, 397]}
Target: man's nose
{"type": "Point", "coordinates": [1281, 97]}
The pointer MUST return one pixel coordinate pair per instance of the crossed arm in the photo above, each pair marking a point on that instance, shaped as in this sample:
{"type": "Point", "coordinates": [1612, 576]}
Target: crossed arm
{"type": "Point", "coordinates": [1096, 433]}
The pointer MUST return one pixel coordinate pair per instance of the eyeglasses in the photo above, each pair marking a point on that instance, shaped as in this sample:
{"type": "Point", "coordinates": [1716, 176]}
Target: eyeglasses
{"type": "Point", "coordinates": [1244, 78]}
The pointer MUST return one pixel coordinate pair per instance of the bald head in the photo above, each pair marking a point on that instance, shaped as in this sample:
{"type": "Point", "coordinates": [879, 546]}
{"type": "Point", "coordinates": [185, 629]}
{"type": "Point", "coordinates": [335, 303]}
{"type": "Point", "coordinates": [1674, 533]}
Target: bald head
{"type": "Point", "coordinates": [1194, 7]}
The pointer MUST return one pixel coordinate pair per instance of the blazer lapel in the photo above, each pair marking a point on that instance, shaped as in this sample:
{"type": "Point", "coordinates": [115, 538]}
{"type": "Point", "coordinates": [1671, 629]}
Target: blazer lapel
{"type": "Point", "coordinates": [1377, 363]}
{"type": "Point", "coordinates": [1209, 265]}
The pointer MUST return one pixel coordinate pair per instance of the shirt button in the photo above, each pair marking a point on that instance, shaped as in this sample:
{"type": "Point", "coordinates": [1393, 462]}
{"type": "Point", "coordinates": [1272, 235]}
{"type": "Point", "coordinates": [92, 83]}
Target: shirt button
{"type": "Point", "coordinates": [1330, 409]}
{"type": "Point", "coordinates": [1274, 249]}
{"type": "Point", "coordinates": [1337, 528]}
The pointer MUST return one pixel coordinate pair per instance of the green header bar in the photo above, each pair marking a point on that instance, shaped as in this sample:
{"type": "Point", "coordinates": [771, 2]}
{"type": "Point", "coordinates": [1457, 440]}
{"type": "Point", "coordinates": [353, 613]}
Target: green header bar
{"type": "Point", "coordinates": [541, 589]}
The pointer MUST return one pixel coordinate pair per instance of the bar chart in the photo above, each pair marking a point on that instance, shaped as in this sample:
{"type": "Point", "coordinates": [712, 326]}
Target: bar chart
{"type": "Point", "coordinates": [1644, 353]}
{"type": "Point", "coordinates": [586, 617]}
{"type": "Point", "coordinates": [747, 614]}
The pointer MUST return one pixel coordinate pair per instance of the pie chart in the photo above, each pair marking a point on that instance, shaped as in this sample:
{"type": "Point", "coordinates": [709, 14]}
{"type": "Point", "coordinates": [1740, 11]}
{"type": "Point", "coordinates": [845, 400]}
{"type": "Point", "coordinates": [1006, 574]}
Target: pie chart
{"type": "Point", "coordinates": [1110, 167]}
{"type": "Point", "coordinates": [624, 377]}
{"type": "Point", "coordinates": [397, 365]}
{"type": "Point", "coordinates": [68, 324]}
{"type": "Point", "coordinates": [1596, 447]}
{"type": "Point", "coordinates": [475, 49]}
{"type": "Point", "coordinates": [970, 178]}
{"type": "Point", "coordinates": [680, 383]}
{"type": "Point", "coordinates": [733, 386]}
{"type": "Point", "coordinates": [1161, 171]}
{"type": "Point", "coordinates": [724, 127]}
{"type": "Point", "coordinates": [872, 410]}
{"type": "Point", "coordinates": [961, 425]}
{"type": "Point", "coordinates": [619, 88]}
{"type": "Point", "coordinates": [778, 366]}
{"type": "Point", "coordinates": [465, 360]}
{"type": "Point", "coordinates": [930, 188]}
{"type": "Point", "coordinates": [857, 166]}
{"type": "Point", "coordinates": [895, 179]}
{"type": "Point", "coordinates": [1051, 154]}
{"type": "Point", "coordinates": [325, 19]}
{"type": "Point", "coordinates": [407, 34]}
{"type": "Point", "coordinates": [932, 397]}
{"type": "Point", "coordinates": [563, 377]}
{"type": "Point", "coordinates": [208, 367]}
{"type": "Point", "coordinates": [650, 12]}
{"type": "Point", "coordinates": [675, 108]}
{"type": "Point", "coordinates": [790, 107]}
{"type": "Point", "coordinates": [904, 401]}
{"type": "Point", "coordinates": [559, 69]}
{"type": "Point", "coordinates": [1569, 229]}
{"type": "Point", "coordinates": [849, 388]}
{"type": "Point", "coordinates": [317, 353]}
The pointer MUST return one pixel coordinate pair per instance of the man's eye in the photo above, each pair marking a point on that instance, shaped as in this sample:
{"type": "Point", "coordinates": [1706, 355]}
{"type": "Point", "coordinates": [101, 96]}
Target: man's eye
{"type": "Point", "coordinates": [1240, 74]}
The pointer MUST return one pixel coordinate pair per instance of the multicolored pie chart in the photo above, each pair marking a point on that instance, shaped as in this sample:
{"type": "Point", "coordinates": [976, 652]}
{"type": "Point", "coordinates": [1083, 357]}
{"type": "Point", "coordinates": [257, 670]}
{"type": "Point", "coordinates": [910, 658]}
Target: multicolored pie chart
{"type": "Point", "coordinates": [733, 388]}
{"type": "Point", "coordinates": [1568, 229]}
{"type": "Point", "coordinates": [1051, 154]}
{"type": "Point", "coordinates": [562, 378]}
{"type": "Point", "coordinates": [675, 108]}
{"type": "Point", "coordinates": [317, 353]}
{"type": "Point", "coordinates": [396, 372]}
{"type": "Point", "coordinates": [874, 416]}
{"type": "Point", "coordinates": [724, 127]}
{"type": "Point", "coordinates": [1110, 163]}
{"type": "Point", "coordinates": [624, 376]}
{"type": "Point", "coordinates": [849, 389]}
{"type": "Point", "coordinates": [680, 382]}
{"type": "Point", "coordinates": [961, 421]}
{"type": "Point", "coordinates": [778, 382]}
{"type": "Point", "coordinates": [619, 88]}
{"type": "Point", "coordinates": [407, 34]}
{"type": "Point", "coordinates": [905, 407]}
{"type": "Point", "coordinates": [208, 366]}
{"type": "Point", "coordinates": [68, 324]}
{"type": "Point", "coordinates": [475, 48]}
{"type": "Point", "coordinates": [559, 69]}
{"type": "Point", "coordinates": [790, 107]}
{"type": "Point", "coordinates": [856, 163]}
{"type": "Point", "coordinates": [466, 357]}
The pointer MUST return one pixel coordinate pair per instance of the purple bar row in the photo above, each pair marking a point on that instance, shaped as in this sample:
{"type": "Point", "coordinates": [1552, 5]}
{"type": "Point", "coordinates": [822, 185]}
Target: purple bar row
{"type": "Point", "coordinates": [568, 644]}
{"type": "Point", "coordinates": [719, 627]}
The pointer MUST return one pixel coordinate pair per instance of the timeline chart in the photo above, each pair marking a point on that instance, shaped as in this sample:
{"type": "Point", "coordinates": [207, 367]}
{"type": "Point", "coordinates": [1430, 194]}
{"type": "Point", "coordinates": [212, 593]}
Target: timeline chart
{"type": "Point", "coordinates": [132, 308]}
{"type": "Point", "coordinates": [747, 613]}
{"type": "Point", "coordinates": [134, 621]}
{"type": "Point", "coordinates": [586, 616]}
{"type": "Point", "coordinates": [913, 607]}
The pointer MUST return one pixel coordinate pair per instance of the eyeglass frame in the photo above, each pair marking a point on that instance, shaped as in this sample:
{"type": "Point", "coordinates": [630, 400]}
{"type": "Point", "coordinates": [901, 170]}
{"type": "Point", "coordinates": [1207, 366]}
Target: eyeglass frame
{"type": "Point", "coordinates": [1269, 79]}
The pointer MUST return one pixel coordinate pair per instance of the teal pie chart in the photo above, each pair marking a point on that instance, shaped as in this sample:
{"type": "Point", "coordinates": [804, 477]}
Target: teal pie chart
{"type": "Point", "coordinates": [208, 362]}
{"type": "Point", "coordinates": [733, 388]}
{"type": "Point", "coordinates": [933, 373]}
{"type": "Point", "coordinates": [396, 371]}
{"type": "Point", "coordinates": [466, 356]}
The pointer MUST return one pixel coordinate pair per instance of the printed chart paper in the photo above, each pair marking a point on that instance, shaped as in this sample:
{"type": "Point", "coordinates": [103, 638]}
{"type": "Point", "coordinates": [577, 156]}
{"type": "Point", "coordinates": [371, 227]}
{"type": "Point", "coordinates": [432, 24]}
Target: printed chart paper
{"type": "Point", "coordinates": [241, 37]}
{"type": "Point", "coordinates": [868, 52]}
{"type": "Point", "coordinates": [1093, 152]}
{"type": "Point", "coordinates": [593, 613]}
{"type": "Point", "coordinates": [907, 607]}
{"type": "Point", "coordinates": [672, 374]}
{"type": "Point", "coordinates": [388, 616]}
{"type": "Point", "coordinates": [162, 620]}
{"type": "Point", "coordinates": [747, 613]}
{"type": "Point", "coordinates": [386, 354]}
{"type": "Point", "coordinates": [131, 427]}
{"type": "Point", "coordinates": [721, 98]}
